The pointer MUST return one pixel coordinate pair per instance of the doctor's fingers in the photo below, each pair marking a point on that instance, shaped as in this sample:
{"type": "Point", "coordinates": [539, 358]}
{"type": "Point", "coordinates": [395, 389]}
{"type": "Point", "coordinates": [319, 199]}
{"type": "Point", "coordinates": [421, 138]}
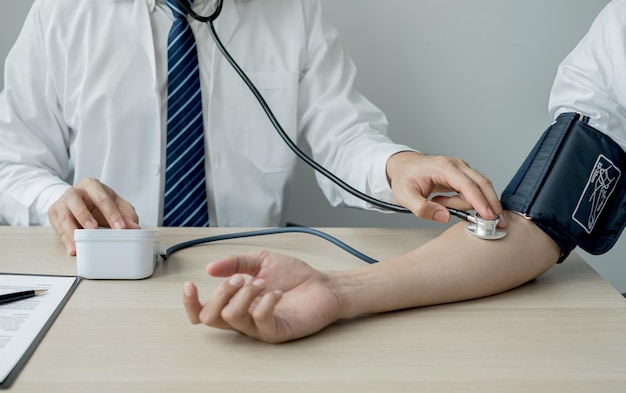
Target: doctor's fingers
{"type": "Point", "coordinates": [479, 193]}
{"type": "Point", "coordinates": [428, 210]}
{"type": "Point", "coordinates": [64, 223]}
{"type": "Point", "coordinates": [451, 174]}
{"type": "Point", "coordinates": [102, 204]}
{"type": "Point", "coordinates": [129, 214]}
{"type": "Point", "coordinates": [468, 196]}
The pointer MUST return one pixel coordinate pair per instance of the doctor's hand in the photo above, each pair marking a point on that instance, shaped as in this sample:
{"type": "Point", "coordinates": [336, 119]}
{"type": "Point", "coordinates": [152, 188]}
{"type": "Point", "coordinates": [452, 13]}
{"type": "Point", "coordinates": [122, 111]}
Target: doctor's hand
{"type": "Point", "coordinates": [415, 176]}
{"type": "Point", "coordinates": [90, 204]}
{"type": "Point", "coordinates": [285, 299]}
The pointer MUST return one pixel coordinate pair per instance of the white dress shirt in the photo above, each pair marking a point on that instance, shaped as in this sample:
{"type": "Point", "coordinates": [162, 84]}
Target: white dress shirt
{"type": "Point", "coordinates": [84, 97]}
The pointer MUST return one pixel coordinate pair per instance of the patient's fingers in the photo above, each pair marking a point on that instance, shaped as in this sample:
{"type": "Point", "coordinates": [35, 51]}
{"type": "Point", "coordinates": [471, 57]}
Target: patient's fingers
{"type": "Point", "coordinates": [193, 307]}
{"type": "Point", "coordinates": [233, 264]}
{"type": "Point", "coordinates": [211, 313]}
{"type": "Point", "coordinates": [237, 313]}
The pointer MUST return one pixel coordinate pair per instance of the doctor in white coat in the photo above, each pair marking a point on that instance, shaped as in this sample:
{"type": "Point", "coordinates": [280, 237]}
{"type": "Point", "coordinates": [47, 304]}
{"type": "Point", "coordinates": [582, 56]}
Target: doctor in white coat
{"type": "Point", "coordinates": [83, 118]}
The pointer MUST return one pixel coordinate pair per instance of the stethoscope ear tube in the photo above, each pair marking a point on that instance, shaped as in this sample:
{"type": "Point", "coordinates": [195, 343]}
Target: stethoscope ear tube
{"type": "Point", "coordinates": [204, 19]}
{"type": "Point", "coordinates": [376, 202]}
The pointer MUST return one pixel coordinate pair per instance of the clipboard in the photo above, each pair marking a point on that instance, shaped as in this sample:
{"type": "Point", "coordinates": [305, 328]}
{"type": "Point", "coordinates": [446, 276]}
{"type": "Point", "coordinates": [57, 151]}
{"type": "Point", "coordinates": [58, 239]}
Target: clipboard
{"type": "Point", "coordinates": [16, 350]}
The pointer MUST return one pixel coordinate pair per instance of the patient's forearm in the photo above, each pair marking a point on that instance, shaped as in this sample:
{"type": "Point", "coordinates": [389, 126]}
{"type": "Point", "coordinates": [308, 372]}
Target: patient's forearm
{"type": "Point", "coordinates": [452, 267]}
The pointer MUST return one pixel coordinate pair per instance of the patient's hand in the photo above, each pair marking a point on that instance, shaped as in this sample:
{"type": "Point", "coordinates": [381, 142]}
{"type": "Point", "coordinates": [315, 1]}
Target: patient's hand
{"type": "Point", "coordinates": [284, 299]}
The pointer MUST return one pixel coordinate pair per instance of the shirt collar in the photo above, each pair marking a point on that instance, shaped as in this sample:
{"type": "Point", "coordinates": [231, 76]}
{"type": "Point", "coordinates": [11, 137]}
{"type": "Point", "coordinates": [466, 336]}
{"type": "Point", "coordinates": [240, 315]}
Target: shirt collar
{"type": "Point", "coordinates": [204, 4]}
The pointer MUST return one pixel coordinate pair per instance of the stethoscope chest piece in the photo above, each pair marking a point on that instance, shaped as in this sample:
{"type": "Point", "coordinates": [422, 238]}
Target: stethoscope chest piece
{"type": "Point", "coordinates": [485, 229]}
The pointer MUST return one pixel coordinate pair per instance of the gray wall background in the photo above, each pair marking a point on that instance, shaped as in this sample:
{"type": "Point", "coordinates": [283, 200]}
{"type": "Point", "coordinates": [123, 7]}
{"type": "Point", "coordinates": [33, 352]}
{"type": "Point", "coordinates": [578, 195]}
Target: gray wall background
{"type": "Point", "coordinates": [465, 78]}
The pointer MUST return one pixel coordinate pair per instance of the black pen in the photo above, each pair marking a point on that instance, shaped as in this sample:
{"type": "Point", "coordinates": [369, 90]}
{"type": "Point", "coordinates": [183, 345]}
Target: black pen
{"type": "Point", "coordinates": [12, 297]}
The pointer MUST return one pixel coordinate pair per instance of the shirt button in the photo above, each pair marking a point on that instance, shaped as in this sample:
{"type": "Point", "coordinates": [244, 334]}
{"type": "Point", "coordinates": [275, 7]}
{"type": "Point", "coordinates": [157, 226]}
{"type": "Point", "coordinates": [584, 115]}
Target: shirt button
{"type": "Point", "coordinates": [156, 169]}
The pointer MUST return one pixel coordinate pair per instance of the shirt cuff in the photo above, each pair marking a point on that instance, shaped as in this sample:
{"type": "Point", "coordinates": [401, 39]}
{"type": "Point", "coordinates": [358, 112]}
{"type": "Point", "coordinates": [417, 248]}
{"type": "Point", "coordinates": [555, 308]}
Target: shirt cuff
{"type": "Point", "coordinates": [44, 201]}
{"type": "Point", "coordinates": [378, 185]}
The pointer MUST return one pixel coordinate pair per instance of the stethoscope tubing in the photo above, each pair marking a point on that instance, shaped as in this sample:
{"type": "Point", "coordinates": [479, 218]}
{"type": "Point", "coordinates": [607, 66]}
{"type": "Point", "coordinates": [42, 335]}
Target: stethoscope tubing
{"type": "Point", "coordinates": [209, 19]}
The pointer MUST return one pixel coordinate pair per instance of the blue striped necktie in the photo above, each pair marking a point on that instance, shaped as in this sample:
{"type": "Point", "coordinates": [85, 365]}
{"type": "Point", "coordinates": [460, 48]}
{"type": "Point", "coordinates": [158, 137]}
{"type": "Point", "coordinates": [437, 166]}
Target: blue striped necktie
{"type": "Point", "coordinates": [185, 183]}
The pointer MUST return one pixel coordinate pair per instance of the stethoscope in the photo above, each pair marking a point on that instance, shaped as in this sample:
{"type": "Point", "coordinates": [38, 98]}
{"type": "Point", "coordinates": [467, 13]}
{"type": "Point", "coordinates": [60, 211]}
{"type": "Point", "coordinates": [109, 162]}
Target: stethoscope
{"type": "Point", "coordinates": [477, 226]}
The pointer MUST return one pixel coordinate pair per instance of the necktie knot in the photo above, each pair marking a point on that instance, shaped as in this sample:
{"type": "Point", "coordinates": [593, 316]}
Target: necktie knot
{"type": "Point", "coordinates": [179, 12]}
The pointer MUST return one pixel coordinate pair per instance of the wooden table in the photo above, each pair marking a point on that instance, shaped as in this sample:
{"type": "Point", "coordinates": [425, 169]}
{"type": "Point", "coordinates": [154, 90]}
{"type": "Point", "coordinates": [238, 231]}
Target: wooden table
{"type": "Point", "coordinates": [565, 332]}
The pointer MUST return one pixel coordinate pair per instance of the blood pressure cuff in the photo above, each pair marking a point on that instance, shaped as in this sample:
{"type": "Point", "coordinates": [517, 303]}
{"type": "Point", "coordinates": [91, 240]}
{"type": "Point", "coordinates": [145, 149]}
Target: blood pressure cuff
{"type": "Point", "coordinates": [572, 186]}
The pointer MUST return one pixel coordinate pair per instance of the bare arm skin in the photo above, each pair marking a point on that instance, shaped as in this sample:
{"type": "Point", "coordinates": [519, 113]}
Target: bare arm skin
{"type": "Point", "coordinates": [286, 299]}
{"type": "Point", "coordinates": [452, 267]}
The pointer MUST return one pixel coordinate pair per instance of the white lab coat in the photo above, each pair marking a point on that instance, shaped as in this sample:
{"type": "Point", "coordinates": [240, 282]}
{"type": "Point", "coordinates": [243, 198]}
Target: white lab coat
{"type": "Point", "coordinates": [592, 78]}
{"type": "Point", "coordinates": [81, 100]}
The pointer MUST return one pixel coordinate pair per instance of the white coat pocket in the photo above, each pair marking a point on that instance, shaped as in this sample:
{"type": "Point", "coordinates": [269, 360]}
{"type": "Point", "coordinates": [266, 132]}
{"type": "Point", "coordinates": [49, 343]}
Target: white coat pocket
{"type": "Point", "coordinates": [265, 148]}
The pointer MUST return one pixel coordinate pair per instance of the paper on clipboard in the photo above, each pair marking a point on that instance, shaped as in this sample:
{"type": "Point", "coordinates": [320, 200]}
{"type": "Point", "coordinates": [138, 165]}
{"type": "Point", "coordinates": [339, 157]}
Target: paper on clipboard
{"type": "Point", "coordinates": [24, 323]}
